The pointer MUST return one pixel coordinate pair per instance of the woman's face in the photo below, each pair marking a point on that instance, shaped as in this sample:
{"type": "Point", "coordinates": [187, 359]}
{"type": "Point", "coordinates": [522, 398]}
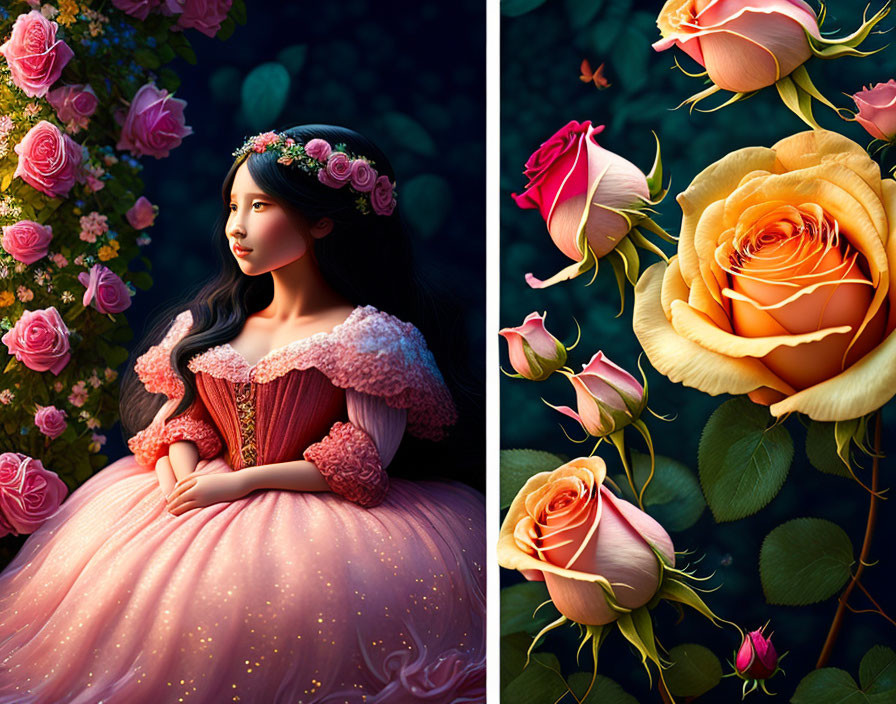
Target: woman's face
{"type": "Point", "coordinates": [262, 235]}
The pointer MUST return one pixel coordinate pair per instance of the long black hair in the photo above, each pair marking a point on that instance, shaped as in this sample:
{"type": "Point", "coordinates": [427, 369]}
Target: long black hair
{"type": "Point", "coordinates": [366, 258]}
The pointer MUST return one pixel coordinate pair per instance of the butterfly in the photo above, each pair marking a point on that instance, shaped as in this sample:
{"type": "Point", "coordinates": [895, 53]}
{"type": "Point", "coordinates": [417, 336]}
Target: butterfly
{"type": "Point", "coordinates": [600, 80]}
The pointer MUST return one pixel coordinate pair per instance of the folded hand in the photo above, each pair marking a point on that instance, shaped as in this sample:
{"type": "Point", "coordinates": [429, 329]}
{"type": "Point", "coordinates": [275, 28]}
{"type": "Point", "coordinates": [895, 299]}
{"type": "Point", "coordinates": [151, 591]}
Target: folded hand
{"type": "Point", "coordinates": [199, 490]}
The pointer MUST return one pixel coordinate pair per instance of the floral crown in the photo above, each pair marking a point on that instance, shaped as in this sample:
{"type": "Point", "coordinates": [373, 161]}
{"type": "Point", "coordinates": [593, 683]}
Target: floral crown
{"type": "Point", "coordinates": [334, 166]}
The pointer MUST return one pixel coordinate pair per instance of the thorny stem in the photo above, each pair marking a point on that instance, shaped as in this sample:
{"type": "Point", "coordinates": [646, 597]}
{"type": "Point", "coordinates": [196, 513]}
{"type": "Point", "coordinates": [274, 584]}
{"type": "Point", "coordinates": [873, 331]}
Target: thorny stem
{"type": "Point", "coordinates": [863, 556]}
{"type": "Point", "coordinates": [877, 608]}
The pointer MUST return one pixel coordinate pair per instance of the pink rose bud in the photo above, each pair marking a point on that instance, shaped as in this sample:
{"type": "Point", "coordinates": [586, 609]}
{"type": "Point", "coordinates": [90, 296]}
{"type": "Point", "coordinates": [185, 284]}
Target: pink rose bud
{"type": "Point", "coordinates": [607, 396]}
{"type": "Point", "coordinates": [41, 492]}
{"type": "Point", "coordinates": [27, 240]}
{"type": "Point", "coordinates": [34, 55]}
{"type": "Point", "coordinates": [877, 110]}
{"type": "Point", "coordinates": [205, 16]}
{"type": "Point", "coordinates": [142, 214]}
{"type": "Point", "coordinates": [137, 8]}
{"type": "Point", "coordinates": [74, 104]}
{"type": "Point", "coordinates": [39, 340]}
{"type": "Point", "coordinates": [756, 658]}
{"type": "Point", "coordinates": [105, 289]}
{"type": "Point", "coordinates": [50, 421]}
{"type": "Point", "coordinates": [744, 47]}
{"type": "Point", "coordinates": [382, 197]}
{"type": "Point", "coordinates": [535, 354]}
{"type": "Point", "coordinates": [49, 160]}
{"type": "Point", "coordinates": [318, 149]}
{"type": "Point", "coordinates": [154, 124]}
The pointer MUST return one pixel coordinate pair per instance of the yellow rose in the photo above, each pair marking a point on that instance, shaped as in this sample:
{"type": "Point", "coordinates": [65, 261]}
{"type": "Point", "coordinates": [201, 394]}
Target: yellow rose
{"type": "Point", "coordinates": [782, 284]}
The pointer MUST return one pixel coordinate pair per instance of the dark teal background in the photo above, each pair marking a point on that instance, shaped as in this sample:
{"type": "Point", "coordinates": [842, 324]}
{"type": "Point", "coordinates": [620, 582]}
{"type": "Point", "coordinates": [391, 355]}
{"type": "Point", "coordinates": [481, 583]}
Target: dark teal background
{"type": "Point", "coordinates": [540, 92]}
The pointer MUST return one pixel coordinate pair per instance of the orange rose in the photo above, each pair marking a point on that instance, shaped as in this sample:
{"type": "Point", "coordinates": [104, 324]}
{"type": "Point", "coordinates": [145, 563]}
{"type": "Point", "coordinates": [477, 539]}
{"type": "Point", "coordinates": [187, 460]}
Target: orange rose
{"type": "Point", "coordinates": [781, 286]}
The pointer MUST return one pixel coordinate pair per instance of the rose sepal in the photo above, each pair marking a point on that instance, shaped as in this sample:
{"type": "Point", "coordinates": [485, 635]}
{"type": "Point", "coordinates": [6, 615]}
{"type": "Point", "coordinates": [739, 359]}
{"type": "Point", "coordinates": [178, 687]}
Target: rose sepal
{"type": "Point", "coordinates": [797, 92]}
{"type": "Point", "coordinates": [847, 46]}
{"type": "Point", "coordinates": [855, 431]}
{"type": "Point", "coordinates": [541, 370]}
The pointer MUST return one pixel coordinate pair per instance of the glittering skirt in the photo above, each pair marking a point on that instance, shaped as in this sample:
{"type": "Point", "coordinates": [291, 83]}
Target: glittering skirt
{"type": "Point", "coordinates": [280, 597]}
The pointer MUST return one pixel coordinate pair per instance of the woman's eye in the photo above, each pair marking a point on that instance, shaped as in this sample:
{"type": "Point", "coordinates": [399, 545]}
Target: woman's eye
{"type": "Point", "coordinates": [258, 203]}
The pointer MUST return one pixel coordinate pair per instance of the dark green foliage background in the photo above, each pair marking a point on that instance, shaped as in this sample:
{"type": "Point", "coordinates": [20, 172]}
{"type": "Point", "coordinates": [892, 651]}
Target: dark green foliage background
{"type": "Point", "coordinates": [540, 92]}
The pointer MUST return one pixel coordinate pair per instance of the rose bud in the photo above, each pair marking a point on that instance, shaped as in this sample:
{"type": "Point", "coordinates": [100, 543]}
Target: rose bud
{"type": "Point", "coordinates": [756, 658]}
{"type": "Point", "coordinates": [607, 396]}
{"type": "Point", "coordinates": [534, 353]}
{"type": "Point", "coordinates": [877, 110]}
{"type": "Point", "coordinates": [595, 552]}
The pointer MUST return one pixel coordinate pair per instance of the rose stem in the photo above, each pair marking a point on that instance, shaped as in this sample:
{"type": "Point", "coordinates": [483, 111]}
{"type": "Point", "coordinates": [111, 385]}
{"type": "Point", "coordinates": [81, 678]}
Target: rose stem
{"type": "Point", "coordinates": [664, 693]}
{"type": "Point", "coordinates": [863, 556]}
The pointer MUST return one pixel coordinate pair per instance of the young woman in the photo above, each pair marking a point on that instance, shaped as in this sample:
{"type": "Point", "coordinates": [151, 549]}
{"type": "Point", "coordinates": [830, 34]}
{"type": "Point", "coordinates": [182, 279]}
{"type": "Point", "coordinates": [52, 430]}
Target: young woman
{"type": "Point", "coordinates": [254, 548]}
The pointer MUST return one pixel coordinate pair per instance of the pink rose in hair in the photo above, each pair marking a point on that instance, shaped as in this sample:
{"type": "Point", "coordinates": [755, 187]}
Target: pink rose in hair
{"type": "Point", "coordinates": [261, 142]}
{"type": "Point", "coordinates": [337, 172]}
{"type": "Point", "coordinates": [107, 291]}
{"type": "Point", "coordinates": [39, 340]}
{"type": "Point", "coordinates": [35, 57]}
{"type": "Point", "coordinates": [74, 104]}
{"type": "Point", "coordinates": [137, 8]}
{"type": "Point", "coordinates": [381, 198]}
{"type": "Point", "coordinates": [50, 421]}
{"type": "Point", "coordinates": [141, 214]}
{"type": "Point", "coordinates": [49, 160]}
{"type": "Point", "coordinates": [203, 15]}
{"type": "Point", "coordinates": [318, 149]}
{"type": "Point", "coordinates": [154, 124]}
{"type": "Point", "coordinates": [39, 497]}
{"type": "Point", "coordinates": [363, 176]}
{"type": "Point", "coordinates": [27, 240]}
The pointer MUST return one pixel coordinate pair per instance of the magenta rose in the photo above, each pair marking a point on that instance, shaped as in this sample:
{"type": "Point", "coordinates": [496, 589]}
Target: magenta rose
{"type": "Point", "coordinates": [154, 124]}
{"type": "Point", "coordinates": [363, 176]}
{"type": "Point", "coordinates": [382, 198]}
{"type": "Point", "coordinates": [27, 240]}
{"type": "Point", "coordinates": [142, 214]}
{"type": "Point", "coordinates": [877, 110]}
{"type": "Point", "coordinates": [12, 470]}
{"type": "Point", "coordinates": [318, 149]}
{"type": "Point", "coordinates": [39, 340]}
{"type": "Point", "coordinates": [204, 15]}
{"type": "Point", "coordinates": [35, 57]}
{"type": "Point", "coordinates": [107, 291]}
{"type": "Point", "coordinates": [337, 172]}
{"type": "Point", "coordinates": [50, 421]}
{"type": "Point", "coordinates": [49, 160]}
{"type": "Point", "coordinates": [74, 104]}
{"type": "Point", "coordinates": [137, 8]}
{"type": "Point", "coordinates": [41, 493]}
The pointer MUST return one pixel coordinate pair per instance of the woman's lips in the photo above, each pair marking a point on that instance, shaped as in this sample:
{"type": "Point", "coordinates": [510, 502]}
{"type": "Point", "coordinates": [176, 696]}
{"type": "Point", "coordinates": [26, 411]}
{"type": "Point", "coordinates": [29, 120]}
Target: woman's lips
{"type": "Point", "coordinates": [240, 251]}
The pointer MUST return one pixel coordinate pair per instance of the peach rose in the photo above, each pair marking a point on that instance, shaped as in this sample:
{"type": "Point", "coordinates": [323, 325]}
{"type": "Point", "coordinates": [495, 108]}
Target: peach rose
{"type": "Point", "coordinates": [35, 57]}
{"type": "Point", "coordinates": [781, 286]}
{"type": "Point", "coordinates": [49, 160]}
{"type": "Point", "coordinates": [593, 550]}
{"type": "Point", "coordinates": [877, 110]}
{"type": "Point", "coordinates": [744, 46]}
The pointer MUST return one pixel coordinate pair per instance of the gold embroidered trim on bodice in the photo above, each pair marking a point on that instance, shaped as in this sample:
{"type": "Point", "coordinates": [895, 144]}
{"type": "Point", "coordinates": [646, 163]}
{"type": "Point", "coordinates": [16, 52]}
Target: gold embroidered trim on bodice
{"type": "Point", "coordinates": [245, 407]}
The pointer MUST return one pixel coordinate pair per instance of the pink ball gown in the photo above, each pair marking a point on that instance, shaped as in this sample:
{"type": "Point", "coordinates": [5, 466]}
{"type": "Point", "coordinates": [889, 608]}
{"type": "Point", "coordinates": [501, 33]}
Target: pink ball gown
{"type": "Point", "coordinates": [371, 593]}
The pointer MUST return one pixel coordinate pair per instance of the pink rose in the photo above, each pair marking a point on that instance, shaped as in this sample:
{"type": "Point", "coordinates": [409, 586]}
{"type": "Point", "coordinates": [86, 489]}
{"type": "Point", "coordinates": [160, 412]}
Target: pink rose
{"type": "Point", "coordinates": [74, 104]}
{"type": "Point", "coordinates": [534, 353]}
{"type": "Point", "coordinates": [337, 172]}
{"type": "Point", "coordinates": [137, 8]}
{"type": "Point", "coordinates": [363, 176]}
{"type": "Point", "coordinates": [12, 470]}
{"type": "Point", "coordinates": [39, 340]}
{"type": "Point", "coordinates": [562, 173]}
{"type": "Point", "coordinates": [35, 57]}
{"type": "Point", "coordinates": [50, 421]}
{"type": "Point", "coordinates": [260, 142]}
{"type": "Point", "coordinates": [27, 240]}
{"type": "Point", "coordinates": [756, 658]}
{"type": "Point", "coordinates": [142, 214]}
{"type": "Point", "coordinates": [318, 149]}
{"type": "Point", "coordinates": [743, 46]}
{"type": "Point", "coordinates": [591, 548]}
{"type": "Point", "coordinates": [49, 160]}
{"type": "Point", "coordinates": [877, 110]}
{"type": "Point", "coordinates": [107, 291]}
{"type": "Point", "coordinates": [382, 197]}
{"type": "Point", "coordinates": [154, 124]}
{"type": "Point", "coordinates": [204, 15]}
{"type": "Point", "coordinates": [39, 497]}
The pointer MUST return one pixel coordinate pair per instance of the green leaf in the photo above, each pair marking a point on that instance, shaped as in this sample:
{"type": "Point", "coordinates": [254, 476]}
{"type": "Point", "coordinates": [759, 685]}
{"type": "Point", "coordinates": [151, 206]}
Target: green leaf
{"type": "Point", "coordinates": [141, 280]}
{"type": "Point", "coordinates": [821, 449]}
{"type": "Point", "coordinates": [426, 201]}
{"type": "Point", "coordinates": [409, 133]}
{"type": "Point", "coordinates": [518, 465]}
{"type": "Point", "coordinates": [877, 673]}
{"type": "Point", "coordinates": [540, 683]}
{"type": "Point", "coordinates": [264, 93]}
{"type": "Point", "coordinates": [515, 8]}
{"type": "Point", "coordinates": [238, 11]}
{"type": "Point", "coordinates": [513, 656]}
{"type": "Point", "coordinates": [804, 561]}
{"type": "Point", "coordinates": [604, 691]}
{"type": "Point", "coordinates": [831, 685]}
{"type": "Point", "coordinates": [519, 602]}
{"type": "Point", "coordinates": [147, 58]}
{"type": "Point", "coordinates": [743, 462]}
{"type": "Point", "coordinates": [694, 670]}
{"type": "Point", "coordinates": [673, 496]}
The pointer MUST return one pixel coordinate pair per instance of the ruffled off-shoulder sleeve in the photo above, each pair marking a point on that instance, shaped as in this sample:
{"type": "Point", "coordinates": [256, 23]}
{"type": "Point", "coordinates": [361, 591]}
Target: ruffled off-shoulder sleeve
{"type": "Point", "coordinates": [154, 369]}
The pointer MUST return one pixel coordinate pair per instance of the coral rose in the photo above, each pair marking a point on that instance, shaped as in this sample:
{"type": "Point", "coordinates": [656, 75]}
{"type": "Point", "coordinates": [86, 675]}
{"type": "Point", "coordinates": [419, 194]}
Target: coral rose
{"type": "Point", "coordinates": [39, 340]}
{"type": "Point", "coordinates": [49, 160]}
{"type": "Point", "coordinates": [154, 124]}
{"type": "Point", "coordinates": [782, 287]}
{"type": "Point", "coordinates": [35, 57]}
{"type": "Point", "coordinates": [592, 549]}
{"type": "Point", "coordinates": [877, 110]}
{"type": "Point", "coordinates": [743, 46]}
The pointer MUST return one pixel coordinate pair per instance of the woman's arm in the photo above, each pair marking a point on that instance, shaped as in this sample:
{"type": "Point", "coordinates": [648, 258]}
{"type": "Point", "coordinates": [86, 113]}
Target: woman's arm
{"type": "Point", "coordinates": [183, 456]}
{"type": "Point", "coordinates": [165, 475]}
{"type": "Point", "coordinates": [296, 475]}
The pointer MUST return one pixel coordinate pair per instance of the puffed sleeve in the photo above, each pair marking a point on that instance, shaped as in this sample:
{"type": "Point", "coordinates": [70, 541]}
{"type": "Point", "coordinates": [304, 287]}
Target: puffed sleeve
{"type": "Point", "coordinates": [154, 369]}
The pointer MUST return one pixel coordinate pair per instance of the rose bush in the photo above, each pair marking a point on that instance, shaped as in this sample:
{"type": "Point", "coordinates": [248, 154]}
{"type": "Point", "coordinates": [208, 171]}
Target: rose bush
{"type": "Point", "coordinates": [34, 55]}
{"type": "Point", "coordinates": [782, 287]}
{"type": "Point", "coordinates": [49, 160]}
{"type": "Point", "coordinates": [39, 340]}
{"type": "Point", "coordinates": [592, 549]}
{"type": "Point", "coordinates": [877, 110]}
